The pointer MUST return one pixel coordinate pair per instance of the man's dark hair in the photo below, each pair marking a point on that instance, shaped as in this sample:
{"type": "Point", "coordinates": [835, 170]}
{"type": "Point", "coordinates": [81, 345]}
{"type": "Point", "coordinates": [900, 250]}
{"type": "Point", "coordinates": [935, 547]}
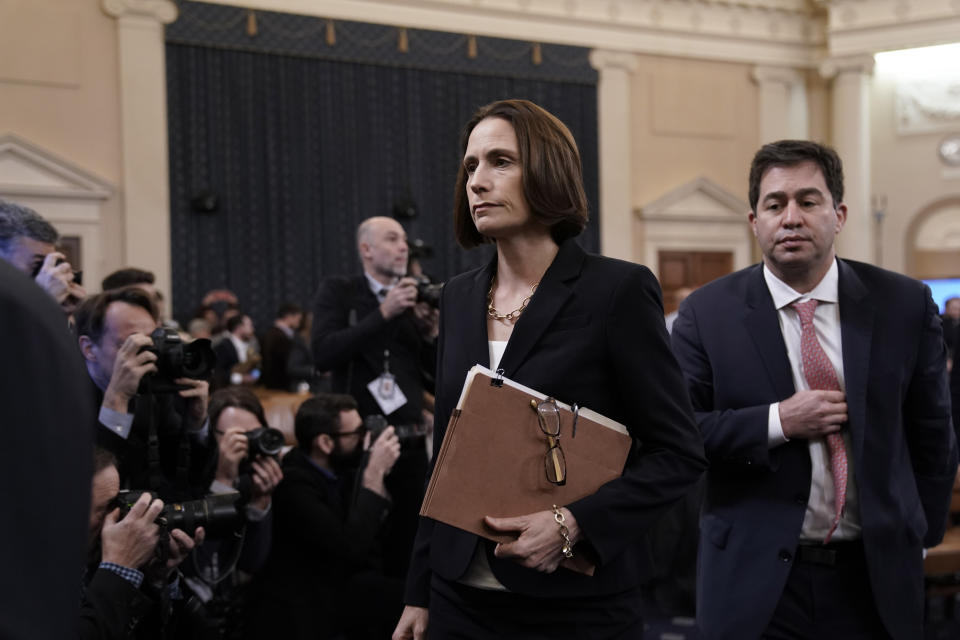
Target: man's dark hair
{"type": "Point", "coordinates": [235, 321]}
{"type": "Point", "coordinates": [552, 173]}
{"type": "Point", "coordinates": [126, 277]}
{"type": "Point", "coordinates": [102, 458]}
{"type": "Point", "coordinates": [320, 414]}
{"type": "Point", "coordinates": [91, 313]}
{"type": "Point", "coordinates": [789, 153]}
{"type": "Point", "coordinates": [17, 221]}
{"type": "Point", "coordinates": [237, 397]}
{"type": "Point", "coordinates": [289, 309]}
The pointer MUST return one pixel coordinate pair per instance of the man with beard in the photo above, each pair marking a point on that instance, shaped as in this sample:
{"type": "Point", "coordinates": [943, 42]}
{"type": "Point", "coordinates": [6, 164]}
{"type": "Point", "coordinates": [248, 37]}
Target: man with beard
{"type": "Point", "coordinates": [323, 579]}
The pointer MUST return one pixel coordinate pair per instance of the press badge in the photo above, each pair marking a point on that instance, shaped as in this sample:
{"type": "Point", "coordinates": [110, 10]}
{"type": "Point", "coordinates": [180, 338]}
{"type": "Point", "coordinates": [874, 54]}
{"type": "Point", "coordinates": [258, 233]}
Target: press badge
{"type": "Point", "coordinates": [385, 390]}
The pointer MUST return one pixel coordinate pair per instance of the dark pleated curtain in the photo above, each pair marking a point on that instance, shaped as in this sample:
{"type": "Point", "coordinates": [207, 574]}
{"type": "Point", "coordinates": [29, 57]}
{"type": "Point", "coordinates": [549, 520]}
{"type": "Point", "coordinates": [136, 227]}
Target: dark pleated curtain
{"type": "Point", "coordinates": [299, 150]}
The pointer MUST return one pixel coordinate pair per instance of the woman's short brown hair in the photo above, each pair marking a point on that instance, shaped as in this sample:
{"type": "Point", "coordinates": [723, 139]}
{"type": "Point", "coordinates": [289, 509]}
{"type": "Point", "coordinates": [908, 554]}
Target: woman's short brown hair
{"type": "Point", "coordinates": [552, 173]}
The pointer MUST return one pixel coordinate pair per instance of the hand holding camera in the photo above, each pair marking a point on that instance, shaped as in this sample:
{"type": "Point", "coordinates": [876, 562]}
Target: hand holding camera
{"type": "Point", "coordinates": [59, 279]}
{"type": "Point", "coordinates": [383, 454]}
{"type": "Point", "coordinates": [132, 362]}
{"type": "Point", "coordinates": [401, 297]}
{"type": "Point", "coordinates": [130, 540]}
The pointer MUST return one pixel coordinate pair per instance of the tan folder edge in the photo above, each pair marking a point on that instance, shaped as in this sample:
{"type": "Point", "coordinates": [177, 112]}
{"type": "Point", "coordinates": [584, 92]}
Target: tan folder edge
{"type": "Point", "coordinates": [491, 461]}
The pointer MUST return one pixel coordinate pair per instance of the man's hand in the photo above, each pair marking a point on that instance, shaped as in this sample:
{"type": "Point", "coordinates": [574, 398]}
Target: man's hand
{"type": "Point", "coordinates": [383, 455]}
{"type": "Point", "coordinates": [266, 476]}
{"type": "Point", "coordinates": [181, 545]}
{"type": "Point", "coordinates": [539, 544]}
{"type": "Point", "coordinates": [129, 368]}
{"type": "Point", "coordinates": [401, 297]}
{"type": "Point", "coordinates": [233, 448]}
{"type": "Point", "coordinates": [427, 319]}
{"type": "Point", "coordinates": [198, 395]}
{"type": "Point", "coordinates": [55, 278]}
{"type": "Point", "coordinates": [412, 624]}
{"type": "Point", "coordinates": [813, 414]}
{"type": "Point", "coordinates": [131, 542]}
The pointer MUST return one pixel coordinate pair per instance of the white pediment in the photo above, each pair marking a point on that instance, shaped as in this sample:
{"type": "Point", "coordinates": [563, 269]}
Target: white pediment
{"type": "Point", "coordinates": [28, 170]}
{"type": "Point", "coordinates": [698, 200]}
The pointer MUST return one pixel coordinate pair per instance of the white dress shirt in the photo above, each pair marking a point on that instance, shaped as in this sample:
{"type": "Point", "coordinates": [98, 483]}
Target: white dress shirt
{"type": "Point", "coordinates": [826, 322]}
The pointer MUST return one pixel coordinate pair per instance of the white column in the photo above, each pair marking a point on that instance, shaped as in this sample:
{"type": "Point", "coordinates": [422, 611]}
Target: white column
{"type": "Point", "coordinates": [851, 139]}
{"type": "Point", "coordinates": [783, 103]}
{"type": "Point", "coordinates": [143, 110]}
{"type": "Point", "coordinates": [616, 141]}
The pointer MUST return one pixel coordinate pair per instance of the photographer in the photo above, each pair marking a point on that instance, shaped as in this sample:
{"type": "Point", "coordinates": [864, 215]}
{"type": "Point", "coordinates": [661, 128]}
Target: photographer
{"type": "Point", "coordinates": [323, 579]}
{"type": "Point", "coordinates": [159, 438]}
{"type": "Point", "coordinates": [129, 586]}
{"type": "Point", "coordinates": [219, 572]}
{"type": "Point", "coordinates": [27, 242]}
{"type": "Point", "coordinates": [378, 339]}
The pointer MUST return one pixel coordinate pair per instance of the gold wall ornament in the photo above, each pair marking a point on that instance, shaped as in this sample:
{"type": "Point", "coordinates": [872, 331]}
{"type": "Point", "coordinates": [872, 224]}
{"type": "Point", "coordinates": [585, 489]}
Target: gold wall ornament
{"type": "Point", "coordinates": [403, 42]}
{"type": "Point", "coordinates": [251, 23]}
{"type": "Point", "coordinates": [331, 33]}
{"type": "Point", "coordinates": [472, 47]}
{"type": "Point", "coordinates": [537, 54]}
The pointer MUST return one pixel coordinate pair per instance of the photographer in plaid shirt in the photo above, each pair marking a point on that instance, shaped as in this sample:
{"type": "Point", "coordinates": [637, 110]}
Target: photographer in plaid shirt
{"type": "Point", "coordinates": [125, 584]}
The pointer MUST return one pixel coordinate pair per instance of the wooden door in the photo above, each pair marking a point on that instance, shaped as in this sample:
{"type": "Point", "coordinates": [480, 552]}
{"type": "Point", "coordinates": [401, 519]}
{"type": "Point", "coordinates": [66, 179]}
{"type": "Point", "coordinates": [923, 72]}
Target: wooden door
{"type": "Point", "coordinates": [681, 270]}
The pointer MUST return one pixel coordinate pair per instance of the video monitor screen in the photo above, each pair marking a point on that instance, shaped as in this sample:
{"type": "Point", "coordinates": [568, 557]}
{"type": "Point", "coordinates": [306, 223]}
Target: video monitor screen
{"type": "Point", "coordinates": [942, 289]}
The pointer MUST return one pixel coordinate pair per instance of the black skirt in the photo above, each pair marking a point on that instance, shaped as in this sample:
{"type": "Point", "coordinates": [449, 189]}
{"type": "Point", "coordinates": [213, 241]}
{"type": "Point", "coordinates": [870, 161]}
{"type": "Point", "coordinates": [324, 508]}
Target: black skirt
{"type": "Point", "coordinates": [459, 612]}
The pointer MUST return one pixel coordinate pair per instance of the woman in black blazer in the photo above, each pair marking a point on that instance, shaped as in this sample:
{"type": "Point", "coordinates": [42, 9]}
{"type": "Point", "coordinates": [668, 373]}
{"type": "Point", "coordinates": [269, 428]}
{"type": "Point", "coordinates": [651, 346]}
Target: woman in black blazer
{"type": "Point", "coordinates": [578, 327]}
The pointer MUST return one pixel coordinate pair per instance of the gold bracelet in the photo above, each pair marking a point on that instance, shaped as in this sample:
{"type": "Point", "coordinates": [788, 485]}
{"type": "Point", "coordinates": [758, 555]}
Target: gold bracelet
{"type": "Point", "coordinates": [567, 548]}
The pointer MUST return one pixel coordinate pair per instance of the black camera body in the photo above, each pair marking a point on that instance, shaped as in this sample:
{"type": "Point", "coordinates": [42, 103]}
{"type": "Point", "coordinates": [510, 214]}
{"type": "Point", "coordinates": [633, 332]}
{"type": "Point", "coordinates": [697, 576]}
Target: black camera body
{"type": "Point", "coordinates": [77, 274]}
{"type": "Point", "coordinates": [264, 441]}
{"type": "Point", "coordinates": [217, 514]}
{"type": "Point", "coordinates": [429, 293]}
{"type": "Point", "coordinates": [406, 433]}
{"type": "Point", "coordinates": [177, 359]}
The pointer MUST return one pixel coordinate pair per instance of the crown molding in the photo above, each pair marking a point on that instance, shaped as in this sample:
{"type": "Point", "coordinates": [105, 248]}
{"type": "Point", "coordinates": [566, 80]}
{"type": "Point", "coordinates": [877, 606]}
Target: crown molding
{"type": "Point", "coordinates": [163, 11]}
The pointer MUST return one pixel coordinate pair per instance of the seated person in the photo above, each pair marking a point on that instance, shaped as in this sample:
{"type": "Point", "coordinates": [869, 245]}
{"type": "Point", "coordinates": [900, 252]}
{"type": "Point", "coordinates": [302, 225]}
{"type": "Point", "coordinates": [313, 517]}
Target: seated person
{"type": "Point", "coordinates": [220, 570]}
{"type": "Point", "coordinates": [323, 578]}
{"type": "Point", "coordinates": [127, 591]}
{"type": "Point", "coordinates": [113, 330]}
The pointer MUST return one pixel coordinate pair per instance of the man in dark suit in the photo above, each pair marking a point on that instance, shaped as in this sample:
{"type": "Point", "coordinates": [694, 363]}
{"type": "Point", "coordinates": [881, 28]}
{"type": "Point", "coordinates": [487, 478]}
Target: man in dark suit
{"type": "Point", "coordinates": [277, 344]}
{"type": "Point", "coordinates": [323, 577]}
{"type": "Point", "coordinates": [370, 325]}
{"type": "Point", "coordinates": [380, 345]}
{"type": "Point", "coordinates": [820, 389]}
{"type": "Point", "coordinates": [235, 350]}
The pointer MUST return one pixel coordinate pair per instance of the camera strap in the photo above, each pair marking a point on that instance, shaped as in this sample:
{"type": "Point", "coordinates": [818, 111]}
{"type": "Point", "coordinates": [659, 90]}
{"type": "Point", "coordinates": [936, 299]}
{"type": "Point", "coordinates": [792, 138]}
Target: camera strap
{"type": "Point", "coordinates": [155, 474]}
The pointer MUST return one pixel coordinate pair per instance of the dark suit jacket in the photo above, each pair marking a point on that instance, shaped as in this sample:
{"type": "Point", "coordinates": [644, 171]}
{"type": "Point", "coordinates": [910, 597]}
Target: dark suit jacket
{"type": "Point", "coordinates": [350, 336]}
{"type": "Point", "coordinates": [45, 463]}
{"type": "Point", "coordinates": [275, 348]}
{"type": "Point", "coordinates": [112, 608]}
{"type": "Point", "coordinates": [227, 359]}
{"type": "Point", "coordinates": [592, 333]}
{"type": "Point", "coordinates": [728, 341]}
{"type": "Point", "coordinates": [319, 542]}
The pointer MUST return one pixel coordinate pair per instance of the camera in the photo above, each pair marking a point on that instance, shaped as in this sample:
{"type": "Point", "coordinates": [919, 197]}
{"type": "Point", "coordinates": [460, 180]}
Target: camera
{"type": "Point", "coordinates": [264, 441]}
{"type": "Point", "coordinates": [216, 513]}
{"type": "Point", "coordinates": [429, 292]}
{"type": "Point", "coordinates": [406, 433]}
{"type": "Point", "coordinates": [177, 359]}
{"type": "Point", "coordinates": [77, 275]}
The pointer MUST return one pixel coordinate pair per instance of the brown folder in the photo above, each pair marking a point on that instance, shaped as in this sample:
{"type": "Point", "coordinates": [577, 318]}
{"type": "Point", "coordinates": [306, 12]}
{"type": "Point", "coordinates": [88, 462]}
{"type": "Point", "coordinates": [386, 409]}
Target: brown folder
{"type": "Point", "coordinates": [491, 461]}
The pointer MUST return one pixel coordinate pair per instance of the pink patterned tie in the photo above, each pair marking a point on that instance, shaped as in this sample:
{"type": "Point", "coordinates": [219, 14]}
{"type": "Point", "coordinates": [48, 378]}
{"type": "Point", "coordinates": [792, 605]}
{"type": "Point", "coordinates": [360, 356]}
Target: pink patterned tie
{"type": "Point", "coordinates": [820, 374]}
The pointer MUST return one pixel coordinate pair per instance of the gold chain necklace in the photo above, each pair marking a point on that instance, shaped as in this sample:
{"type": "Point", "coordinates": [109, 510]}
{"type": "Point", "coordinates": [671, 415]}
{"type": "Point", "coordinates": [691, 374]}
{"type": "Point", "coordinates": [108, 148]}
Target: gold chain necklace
{"type": "Point", "coordinates": [513, 315]}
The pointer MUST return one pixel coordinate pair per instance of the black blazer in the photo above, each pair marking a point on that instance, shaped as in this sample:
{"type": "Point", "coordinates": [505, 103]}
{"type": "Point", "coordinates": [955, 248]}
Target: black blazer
{"type": "Point", "coordinates": [350, 336]}
{"type": "Point", "coordinates": [592, 333]}
{"type": "Point", "coordinates": [728, 341]}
